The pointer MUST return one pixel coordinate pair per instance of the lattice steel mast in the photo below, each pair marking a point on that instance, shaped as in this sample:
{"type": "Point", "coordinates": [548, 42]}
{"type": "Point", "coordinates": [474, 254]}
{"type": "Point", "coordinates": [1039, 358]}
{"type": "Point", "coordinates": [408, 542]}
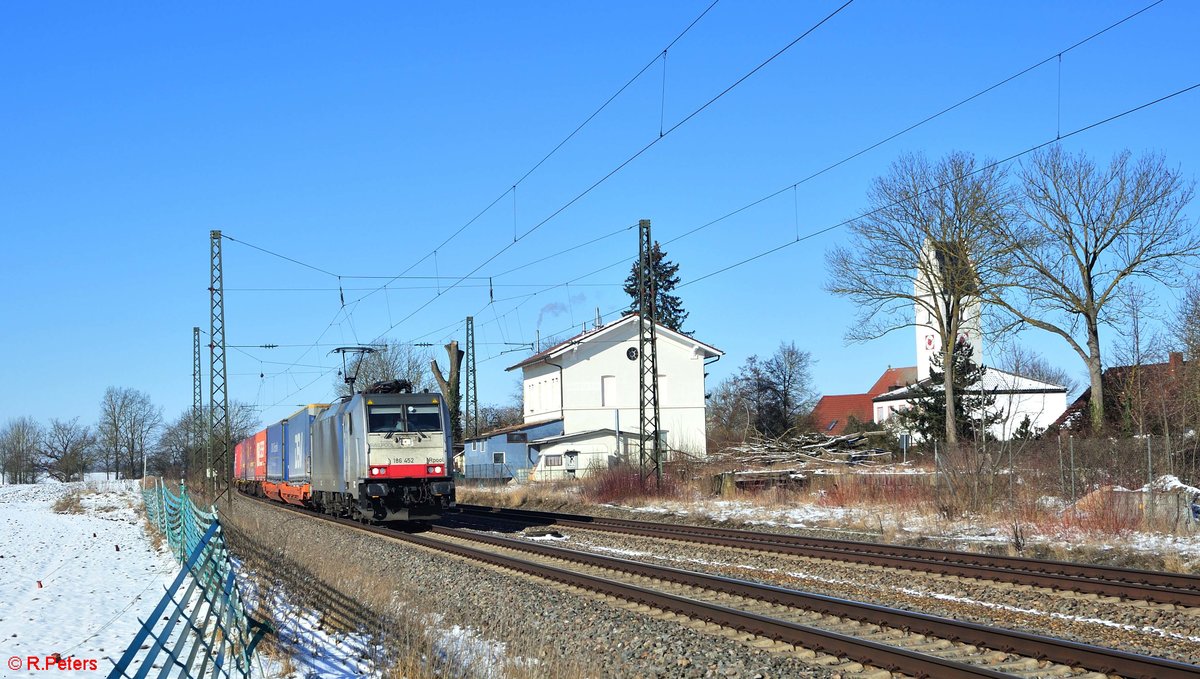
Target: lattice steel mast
{"type": "Point", "coordinates": [220, 467]}
{"type": "Point", "coordinates": [471, 407]}
{"type": "Point", "coordinates": [196, 441]}
{"type": "Point", "coordinates": [648, 357]}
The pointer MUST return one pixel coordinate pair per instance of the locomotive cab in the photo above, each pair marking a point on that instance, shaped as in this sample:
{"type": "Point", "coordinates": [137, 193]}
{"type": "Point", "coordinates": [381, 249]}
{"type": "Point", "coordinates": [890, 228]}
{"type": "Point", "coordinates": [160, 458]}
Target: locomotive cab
{"type": "Point", "coordinates": [406, 473]}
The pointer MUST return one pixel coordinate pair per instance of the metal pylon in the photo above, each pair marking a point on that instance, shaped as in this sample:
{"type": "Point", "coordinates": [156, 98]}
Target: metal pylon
{"type": "Point", "coordinates": [195, 439]}
{"type": "Point", "coordinates": [471, 407]}
{"type": "Point", "coordinates": [220, 466]}
{"type": "Point", "coordinates": [648, 430]}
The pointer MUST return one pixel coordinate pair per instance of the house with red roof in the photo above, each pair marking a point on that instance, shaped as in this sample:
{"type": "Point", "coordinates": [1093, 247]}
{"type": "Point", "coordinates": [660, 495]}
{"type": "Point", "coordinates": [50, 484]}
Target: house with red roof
{"type": "Point", "coordinates": [832, 413]}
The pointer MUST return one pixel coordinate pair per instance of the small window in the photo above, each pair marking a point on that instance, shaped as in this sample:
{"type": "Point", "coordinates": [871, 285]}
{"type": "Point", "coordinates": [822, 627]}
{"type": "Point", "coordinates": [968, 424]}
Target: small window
{"type": "Point", "coordinates": [554, 460]}
{"type": "Point", "coordinates": [519, 437]}
{"type": "Point", "coordinates": [498, 458]}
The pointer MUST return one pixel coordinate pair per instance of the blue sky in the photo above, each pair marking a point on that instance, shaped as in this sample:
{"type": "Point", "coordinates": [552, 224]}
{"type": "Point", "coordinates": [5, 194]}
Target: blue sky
{"type": "Point", "coordinates": [357, 138]}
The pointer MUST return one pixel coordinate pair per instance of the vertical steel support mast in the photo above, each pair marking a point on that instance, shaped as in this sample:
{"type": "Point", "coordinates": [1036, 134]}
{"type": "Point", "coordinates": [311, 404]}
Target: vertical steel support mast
{"type": "Point", "coordinates": [196, 441]}
{"type": "Point", "coordinates": [471, 407]}
{"type": "Point", "coordinates": [220, 465]}
{"type": "Point", "coordinates": [648, 358]}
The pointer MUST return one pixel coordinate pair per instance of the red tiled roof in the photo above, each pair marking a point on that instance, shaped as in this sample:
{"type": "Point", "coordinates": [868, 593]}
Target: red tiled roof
{"type": "Point", "coordinates": [836, 410]}
{"type": "Point", "coordinates": [892, 379]}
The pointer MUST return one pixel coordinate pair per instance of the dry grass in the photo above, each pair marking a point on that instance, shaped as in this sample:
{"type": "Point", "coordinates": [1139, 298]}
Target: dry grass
{"type": "Point", "coordinates": [359, 597]}
{"type": "Point", "coordinates": [69, 503]}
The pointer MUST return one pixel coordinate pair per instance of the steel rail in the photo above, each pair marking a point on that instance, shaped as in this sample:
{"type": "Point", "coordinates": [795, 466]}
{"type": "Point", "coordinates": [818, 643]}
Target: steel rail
{"type": "Point", "coordinates": [1172, 588]}
{"type": "Point", "coordinates": [1074, 654]}
{"type": "Point", "coordinates": [1109, 661]}
{"type": "Point", "coordinates": [863, 651]}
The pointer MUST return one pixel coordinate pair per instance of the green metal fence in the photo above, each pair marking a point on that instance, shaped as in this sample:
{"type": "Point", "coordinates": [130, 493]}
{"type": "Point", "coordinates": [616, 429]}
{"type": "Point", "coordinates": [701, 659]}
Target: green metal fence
{"type": "Point", "coordinates": [200, 627]}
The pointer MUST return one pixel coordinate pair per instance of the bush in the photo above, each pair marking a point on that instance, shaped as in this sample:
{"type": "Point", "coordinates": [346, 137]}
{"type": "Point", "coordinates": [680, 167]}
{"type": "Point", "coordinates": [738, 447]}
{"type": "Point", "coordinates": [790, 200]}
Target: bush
{"type": "Point", "coordinates": [625, 483]}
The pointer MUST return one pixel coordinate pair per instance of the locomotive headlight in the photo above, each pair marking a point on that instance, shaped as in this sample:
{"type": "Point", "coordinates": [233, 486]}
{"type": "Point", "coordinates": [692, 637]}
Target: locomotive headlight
{"type": "Point", "coordinates": [434, 470]}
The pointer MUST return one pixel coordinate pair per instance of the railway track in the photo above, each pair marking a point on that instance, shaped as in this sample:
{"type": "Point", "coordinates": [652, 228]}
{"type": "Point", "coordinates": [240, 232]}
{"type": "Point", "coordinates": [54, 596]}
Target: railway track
{"type": "Point", "coordinates": [1165, 588]}
{"type": "Point", "coordinates": [873, 636]}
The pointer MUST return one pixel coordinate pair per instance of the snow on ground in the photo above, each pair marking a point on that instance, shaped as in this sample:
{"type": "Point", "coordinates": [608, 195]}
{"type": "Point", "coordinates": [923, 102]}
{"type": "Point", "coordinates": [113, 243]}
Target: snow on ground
{"type": "Point", "coordinates": [872, 519]}
{"type": "Point", "coordinates": [91, 594]}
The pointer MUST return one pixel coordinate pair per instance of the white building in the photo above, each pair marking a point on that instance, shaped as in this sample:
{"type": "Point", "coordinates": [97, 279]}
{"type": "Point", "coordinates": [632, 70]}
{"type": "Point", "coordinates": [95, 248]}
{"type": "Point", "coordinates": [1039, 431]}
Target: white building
{"type": "Point", "coordinates": [591, 383]}
{"type": "Point", "coordinates": [1017, 397]}
{"type": "Point", "coordinates": [930, 300]}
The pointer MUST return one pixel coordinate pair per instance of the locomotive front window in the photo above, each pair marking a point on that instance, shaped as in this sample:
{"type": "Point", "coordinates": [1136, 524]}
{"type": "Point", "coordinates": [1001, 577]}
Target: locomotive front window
{"type": "Point", "coordinates": [384, 419]}
{"type": "Point", "coordinates": [424, 418]}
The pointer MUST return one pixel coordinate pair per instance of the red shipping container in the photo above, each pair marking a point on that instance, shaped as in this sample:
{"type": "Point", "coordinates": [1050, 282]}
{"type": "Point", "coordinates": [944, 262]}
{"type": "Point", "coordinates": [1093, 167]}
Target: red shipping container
{"type": "Point", "coordinates": [259, 470]}
{"type": "Point", "coordinates": [237, 459]}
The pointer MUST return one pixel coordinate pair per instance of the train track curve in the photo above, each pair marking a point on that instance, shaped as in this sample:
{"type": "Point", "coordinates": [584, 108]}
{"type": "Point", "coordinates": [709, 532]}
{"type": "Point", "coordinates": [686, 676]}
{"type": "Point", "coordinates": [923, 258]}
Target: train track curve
{"type": "Point", "coordinates": [876, 636]}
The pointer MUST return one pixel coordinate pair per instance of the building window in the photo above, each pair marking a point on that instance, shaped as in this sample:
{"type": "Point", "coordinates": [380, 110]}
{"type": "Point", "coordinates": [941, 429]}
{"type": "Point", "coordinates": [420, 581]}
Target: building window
{"type": "Point", "coordinates": [519, 437]}
{"type": "Point", "coordinates": [498, 458]}
{"type": "Point", "coordinates": [608, 391]}
{"type": "Point", "coordinates": [554, 460]}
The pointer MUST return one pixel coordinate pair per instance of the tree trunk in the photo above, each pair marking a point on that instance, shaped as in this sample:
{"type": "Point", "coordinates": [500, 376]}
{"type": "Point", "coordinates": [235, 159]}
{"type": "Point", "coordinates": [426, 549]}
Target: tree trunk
{"type": "Point", "coordinates": [948, 386]}
{"type": "Point", "coordinates": [450, 387]}
{"type": "Point", "coordinates": [1095, 375]}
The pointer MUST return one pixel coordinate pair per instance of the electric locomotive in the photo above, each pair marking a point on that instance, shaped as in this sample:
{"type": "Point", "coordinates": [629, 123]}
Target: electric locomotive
{"type": "Point", "coordinates": [380, 455]}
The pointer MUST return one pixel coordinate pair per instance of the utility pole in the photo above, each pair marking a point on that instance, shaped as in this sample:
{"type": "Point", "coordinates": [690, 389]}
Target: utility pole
{"type": "Point", "coordinates": [471, 407]}
{"type": "Point", "coordinates": [195, 440]}
{"type": "Point", "coordinates": [220, 467]}
{"type": "Point", "coordinates": [648, 357]}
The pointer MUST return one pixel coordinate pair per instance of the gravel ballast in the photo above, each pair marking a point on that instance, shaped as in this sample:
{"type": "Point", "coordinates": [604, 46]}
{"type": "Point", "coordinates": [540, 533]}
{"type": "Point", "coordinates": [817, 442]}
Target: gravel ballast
{"type": "Point", "coordinates": [565, 633]}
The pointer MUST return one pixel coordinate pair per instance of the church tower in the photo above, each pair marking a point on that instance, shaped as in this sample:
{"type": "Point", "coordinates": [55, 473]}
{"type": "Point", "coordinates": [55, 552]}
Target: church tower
{"type": "Point", "coordinates": [929, 289]}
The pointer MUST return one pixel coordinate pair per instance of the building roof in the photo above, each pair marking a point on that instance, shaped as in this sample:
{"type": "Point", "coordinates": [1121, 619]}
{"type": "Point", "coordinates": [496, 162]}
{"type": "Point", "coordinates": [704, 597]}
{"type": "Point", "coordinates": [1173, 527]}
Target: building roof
{"type": "Point", "coordinates": [994, 380]}
{"type": "Point", "coordinates": [1160, 379]}
{"type": "Point", "coordinates": [892, 379]}
{"type": "Point", "coordinates": [706, 350]}
{"type": "Point", "coordinates": [510, 429]}
{"type": "Point", "coordinates": [580, 435]}
{"type": "Point", "coordinates": [832, 413]}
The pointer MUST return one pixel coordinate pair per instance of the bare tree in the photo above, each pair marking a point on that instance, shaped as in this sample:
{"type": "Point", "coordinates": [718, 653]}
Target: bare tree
{"type": "Point", "coordinates": [19, 442]}
{"type": "Point", "coordinates": [925, 252]}
{"type": "Point", "coordinates": [126, 429]}
{"type": "Point", "coordinates": [66, 450]}
{"type": "Point", "coordinates": [728, 413]}
{"type": "Point", "coordinates": [395, 361]}
{"type": "Point", "coordinates": [766, 397]}
{"type": "Point", "coordinates": [1019, 360]}
{"type": "Point", "coordinates": [1087, 232]}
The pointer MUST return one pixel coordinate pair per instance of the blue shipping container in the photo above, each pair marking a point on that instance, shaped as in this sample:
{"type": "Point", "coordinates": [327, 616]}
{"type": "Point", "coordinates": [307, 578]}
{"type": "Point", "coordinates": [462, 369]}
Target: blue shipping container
{"type": "Point", "coordinates": [298, 446]}
{"type": "Point", "coordinates": [275, 452]}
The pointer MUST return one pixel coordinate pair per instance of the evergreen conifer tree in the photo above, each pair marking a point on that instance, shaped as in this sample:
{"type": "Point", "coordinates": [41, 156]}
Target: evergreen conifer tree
{"type": "Point", "coordinates": [973, 406]}
{"type": "Point", "coordinates": [665, 273]}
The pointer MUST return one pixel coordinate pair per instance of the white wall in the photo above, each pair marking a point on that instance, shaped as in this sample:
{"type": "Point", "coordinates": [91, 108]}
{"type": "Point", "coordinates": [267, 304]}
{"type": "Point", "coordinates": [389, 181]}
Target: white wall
{"type": "Point", "coordinates": [603, 355]}
{"type": "Point", "coordinates": [1042, 410]}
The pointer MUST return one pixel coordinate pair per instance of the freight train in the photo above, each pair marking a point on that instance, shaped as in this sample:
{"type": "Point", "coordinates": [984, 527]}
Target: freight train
{"type": "Point", "coordinates": [380, 455]}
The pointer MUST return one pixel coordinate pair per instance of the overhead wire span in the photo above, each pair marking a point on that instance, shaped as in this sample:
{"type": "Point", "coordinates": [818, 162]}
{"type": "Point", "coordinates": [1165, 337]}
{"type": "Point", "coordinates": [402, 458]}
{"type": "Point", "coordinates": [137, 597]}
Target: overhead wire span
{"type": "Point", "coordinates": [513, 188]}
{"type": "Point", "coordinates": [919, 123]}
{"type": "Point", "coordinates": [1057, 137]}
{"type": "Point", "coordinates": [795, 185]}
{"type": "Point", "coordinates": [633, 157]}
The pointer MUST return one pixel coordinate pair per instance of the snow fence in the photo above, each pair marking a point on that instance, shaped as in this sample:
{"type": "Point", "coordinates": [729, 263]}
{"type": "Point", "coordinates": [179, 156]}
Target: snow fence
{"type": "Point", "coordinates": [200, 627]}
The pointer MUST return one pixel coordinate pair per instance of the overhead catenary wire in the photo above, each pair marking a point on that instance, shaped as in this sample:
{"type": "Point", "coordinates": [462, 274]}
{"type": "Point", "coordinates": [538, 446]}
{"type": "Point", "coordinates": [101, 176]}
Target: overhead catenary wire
{"type": "Point", "coordinates": [870, 147]}
{"type": "Point", "coordinates": [498, 198]}
{"type": "Point", "coordinates": [630, 159]}
{"type": "Point", "coordinates": [513, 188]}
{"type": "Point", "coordinates": [795, 185]}
{"type": "Point", "coordinates": [1008, 159]}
